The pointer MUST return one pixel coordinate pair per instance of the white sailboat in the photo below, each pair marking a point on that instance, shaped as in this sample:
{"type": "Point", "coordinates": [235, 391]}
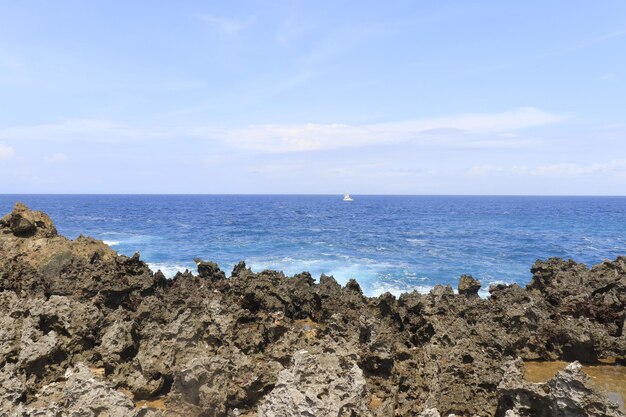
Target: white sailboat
{"type": "Point", "coordinates": [346, 197]}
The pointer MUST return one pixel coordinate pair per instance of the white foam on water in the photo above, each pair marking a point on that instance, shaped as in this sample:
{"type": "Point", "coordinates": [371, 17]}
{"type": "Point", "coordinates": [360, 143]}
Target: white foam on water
{"type": "Point", "coordinates": [363, 270]}
{"type": "Point", "coordinates": [130, 240]}
{"type": "Point", "coordinates": [484, 290]}
{"type": "Point", "coordinates": [169, 270]}
{"type": "Point", "coordinates": [366, 271]}
{"type": "Point", "coordinates": [418, 242]}
{"type": "Point", "coordinates": [397, 289]}
{"type": "Point", "coordinates": [89, 218]}
{"type": "Point", "coordinates": [364, 274]}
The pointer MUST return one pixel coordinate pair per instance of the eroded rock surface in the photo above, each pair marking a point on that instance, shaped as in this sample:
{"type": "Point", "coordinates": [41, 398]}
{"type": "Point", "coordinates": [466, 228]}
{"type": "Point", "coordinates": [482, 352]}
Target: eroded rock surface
{"type": "Point", "coordinates": [78, 393]}
{"type": "Point", "coordinates": [23, 222]}
{"type": "Point", "coordinates": [569, 393]}
{"type": "Point", "coordinates": [323, 384]}
{"type": "Point", "coordinates": [86, 331]}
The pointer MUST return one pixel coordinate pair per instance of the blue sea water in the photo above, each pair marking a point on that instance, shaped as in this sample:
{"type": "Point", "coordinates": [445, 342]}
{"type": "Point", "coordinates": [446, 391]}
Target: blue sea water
{"type": "Point", "coordinates": [387, 243]}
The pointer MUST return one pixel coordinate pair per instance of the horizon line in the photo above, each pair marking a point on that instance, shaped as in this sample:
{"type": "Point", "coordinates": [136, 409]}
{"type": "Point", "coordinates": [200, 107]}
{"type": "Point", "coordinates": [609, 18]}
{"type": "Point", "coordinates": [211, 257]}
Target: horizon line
{"type": "Point", "coordinates": [312, 194]}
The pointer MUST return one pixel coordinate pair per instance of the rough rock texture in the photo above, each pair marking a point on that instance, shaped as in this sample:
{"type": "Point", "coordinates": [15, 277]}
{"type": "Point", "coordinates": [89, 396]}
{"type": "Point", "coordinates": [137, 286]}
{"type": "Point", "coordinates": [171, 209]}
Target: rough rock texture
{"type": "Point", "coordinates": [22, 222]}
{"type": "Point", "coordinates": [569, 393]}
{"type": "Point", "coordinates": [211, 345]}
{"type": "Point", "coordinates": [431, 412]}
{"type": "Point", "coordinates": [79, 393]}
{"type": "Point", "coordinates": [468, 285]}
{"type": "Point", "coordinates": [325, 384]}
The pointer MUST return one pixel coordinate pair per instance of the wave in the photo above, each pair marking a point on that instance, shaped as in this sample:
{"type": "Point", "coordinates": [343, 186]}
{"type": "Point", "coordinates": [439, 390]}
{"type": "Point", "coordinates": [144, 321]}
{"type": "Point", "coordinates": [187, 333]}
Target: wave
{"type": "Point", "coordinates": [169, 270]}
{"type": "Point", "coordinates": [484, 290]}
{"type": "Point", "coordinates": [397, 289]}
{"type": "Point", "coordinates": [372, 276]}
{"type": "Point", "coordinates": [367, 272]}
{"type": "Point", "coordinates": [420, 242]}
{"type": "Point", "coordinates": [111, 242]}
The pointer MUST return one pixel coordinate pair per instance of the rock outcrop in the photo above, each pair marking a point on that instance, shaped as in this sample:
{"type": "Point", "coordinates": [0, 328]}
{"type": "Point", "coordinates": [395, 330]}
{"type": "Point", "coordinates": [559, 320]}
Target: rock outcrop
{"type": "Point", "coordinates": [569, 393]}
{"type": "Point", "coordinates": [86, 331]}
{"type": "Point", "coordinates": [468, 285]}
{"type": "Point", "coordinates": [23, 222]}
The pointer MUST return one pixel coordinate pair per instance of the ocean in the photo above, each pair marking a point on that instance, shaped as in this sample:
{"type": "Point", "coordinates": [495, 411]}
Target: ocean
{"type": "Point", "coordinates": [387, 243]}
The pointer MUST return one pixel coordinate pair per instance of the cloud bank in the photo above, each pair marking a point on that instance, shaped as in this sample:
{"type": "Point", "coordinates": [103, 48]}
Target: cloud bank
{"type": "Point", "coordinates": [289, 138]}
{"type": "Point", "coordinates": [555, 170]}
{"type": "Point", "coordinates": [276, 138]}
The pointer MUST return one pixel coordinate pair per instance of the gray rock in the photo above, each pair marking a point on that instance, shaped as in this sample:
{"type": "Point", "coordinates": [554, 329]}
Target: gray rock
{"type": "Point", "coordinates": [12, 386]}
{"type": "Point", "coordinates": [317, 385]}
{"type": "Point", "coordinates": [35, 348]}
{"type": "Point", "coordinates": [118, 342]}
{"type": "Point", "coordinates": [214, 386]}
{"type": "Point", "coordinates": [430, 412]}
{"type": "Point", "coordinates": [574, 393]}
{"type": "Point", "coordinates": [80, 394]}
{"type": "Point", "coordinates": [570, 393]}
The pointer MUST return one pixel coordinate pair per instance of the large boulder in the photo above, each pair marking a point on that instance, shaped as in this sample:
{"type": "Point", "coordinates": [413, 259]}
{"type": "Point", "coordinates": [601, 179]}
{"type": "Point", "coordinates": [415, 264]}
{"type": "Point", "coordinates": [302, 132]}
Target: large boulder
{"type": "Point", "coordinates": [23, 222]}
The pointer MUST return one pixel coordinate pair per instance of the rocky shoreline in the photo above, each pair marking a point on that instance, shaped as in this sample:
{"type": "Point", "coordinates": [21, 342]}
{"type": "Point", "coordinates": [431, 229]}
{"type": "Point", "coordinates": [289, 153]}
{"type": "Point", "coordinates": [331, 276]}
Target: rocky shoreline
{"type": "Point", "coordinates": [87, 332]}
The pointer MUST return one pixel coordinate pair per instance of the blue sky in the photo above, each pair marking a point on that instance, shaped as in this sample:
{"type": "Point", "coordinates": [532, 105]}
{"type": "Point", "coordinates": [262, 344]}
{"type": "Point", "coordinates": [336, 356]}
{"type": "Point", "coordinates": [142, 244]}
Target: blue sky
{"type": "Point", "coordinates": [395, 97]}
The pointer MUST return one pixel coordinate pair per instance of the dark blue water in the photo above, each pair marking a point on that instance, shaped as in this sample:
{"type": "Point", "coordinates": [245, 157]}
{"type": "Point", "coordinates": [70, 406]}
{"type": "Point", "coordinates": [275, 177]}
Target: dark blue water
{"type": "Point", "coordinates": [388, 243]}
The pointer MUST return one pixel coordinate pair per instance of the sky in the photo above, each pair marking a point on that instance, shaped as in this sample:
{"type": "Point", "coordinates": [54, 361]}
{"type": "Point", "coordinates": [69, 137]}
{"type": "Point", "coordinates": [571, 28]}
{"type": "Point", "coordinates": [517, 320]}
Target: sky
{"type": "Point", "coordinates": [313, 97]}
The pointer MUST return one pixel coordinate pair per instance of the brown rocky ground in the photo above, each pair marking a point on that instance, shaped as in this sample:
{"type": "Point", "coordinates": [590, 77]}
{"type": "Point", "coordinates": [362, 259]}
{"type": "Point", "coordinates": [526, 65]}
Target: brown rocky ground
{"type": "Point", "coordinates": [87, 332]}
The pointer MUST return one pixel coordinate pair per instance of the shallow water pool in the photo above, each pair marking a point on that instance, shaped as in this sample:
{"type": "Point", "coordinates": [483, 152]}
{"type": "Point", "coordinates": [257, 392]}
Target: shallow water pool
{"type": "Point", "coordinates": [609, 376]}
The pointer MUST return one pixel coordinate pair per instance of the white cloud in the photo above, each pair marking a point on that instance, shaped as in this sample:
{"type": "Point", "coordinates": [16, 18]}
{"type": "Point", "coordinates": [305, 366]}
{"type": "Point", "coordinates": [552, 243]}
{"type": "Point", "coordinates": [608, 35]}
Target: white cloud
{"type": "Point", "coordinates": [465, 131]}
{"type": "Point", "coordinates": [555, 170]}
{"type": "Point", "coordinates": [479, 170]}
{"type": "Point", "coordinates": [226, 25]}
{"type": "Point", "coordinates": [78, 129]}
{"type": "Point", "coordinates": [56, 158]}
{"type": "Point", "coordinates": [574, 170]}
{"type": "Point", "coordinates": [312, 137]}
{"type": "Point", "coordinates": [6, 151]}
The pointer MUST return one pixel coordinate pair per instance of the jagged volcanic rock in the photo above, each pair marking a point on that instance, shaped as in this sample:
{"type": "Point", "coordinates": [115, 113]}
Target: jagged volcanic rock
{"type": "Point", "coordinates": [569, 393]}
{"type": "Point", "coordinates": [23, 222]}
{"type": "Point", "coordinates": [468, 285]}
{"type": "Point", "coordinates": [87, 331]}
